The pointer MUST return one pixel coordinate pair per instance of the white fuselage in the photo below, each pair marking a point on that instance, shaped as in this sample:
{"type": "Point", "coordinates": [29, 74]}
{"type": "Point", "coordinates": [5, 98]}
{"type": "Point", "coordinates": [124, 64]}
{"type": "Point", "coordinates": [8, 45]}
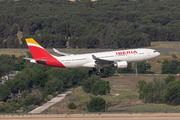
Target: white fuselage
{"type": "Point", "coordinates": [86, 60]}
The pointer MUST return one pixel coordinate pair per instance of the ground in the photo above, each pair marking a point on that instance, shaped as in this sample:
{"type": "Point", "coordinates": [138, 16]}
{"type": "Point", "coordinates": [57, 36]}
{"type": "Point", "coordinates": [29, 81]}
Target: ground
{"type": "Point", "coordinates": [124, 97]}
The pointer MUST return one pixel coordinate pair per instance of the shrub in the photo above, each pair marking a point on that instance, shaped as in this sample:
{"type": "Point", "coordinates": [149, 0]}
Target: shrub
{"type": "Point", "coordinates": [88, 84]}
{"type": "Point", "coordinates": [72, 106]}
{"type": "Point", "coordinates": [96, 105]}
{"type": "Point", "coordinates": [108, 72]}
{"type": "Point", "coordinates": [101, 87]}
{"type": "Point", "coordinates": [170, 66]}
{"type": "Point", "coordinates": [158, 90]}
{"type": "Point", "coordinates": [151, 92]}
{"type": "Point", "coordinates": [169, 78]}
{"type": "Point", "coordinates": [141, 67]}
{"type": "Point", "coordinates": [172, 93]}
{"type": "Point", "coordinates": [96, 86]}
{"type": "Point", "coordinates": [139, 86]}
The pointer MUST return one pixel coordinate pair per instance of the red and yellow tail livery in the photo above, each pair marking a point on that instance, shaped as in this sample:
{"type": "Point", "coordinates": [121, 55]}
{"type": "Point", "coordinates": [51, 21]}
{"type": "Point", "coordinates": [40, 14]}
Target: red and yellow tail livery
{"type": "Point", "coordinates": [40, 55]}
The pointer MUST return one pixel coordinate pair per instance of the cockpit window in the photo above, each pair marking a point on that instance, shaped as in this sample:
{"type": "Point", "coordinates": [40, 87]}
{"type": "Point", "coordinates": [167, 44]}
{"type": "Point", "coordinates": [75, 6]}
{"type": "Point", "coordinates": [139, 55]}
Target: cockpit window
{"type": "Point", "coordinates": [155, 51]}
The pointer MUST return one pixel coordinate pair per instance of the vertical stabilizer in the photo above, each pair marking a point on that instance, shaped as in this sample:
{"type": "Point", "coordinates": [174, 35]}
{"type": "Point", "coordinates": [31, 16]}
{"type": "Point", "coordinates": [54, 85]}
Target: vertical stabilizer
{"type": "Point", "coordinates": [37, 51]}
{"type": "Point", "coordinates": [41, 56]}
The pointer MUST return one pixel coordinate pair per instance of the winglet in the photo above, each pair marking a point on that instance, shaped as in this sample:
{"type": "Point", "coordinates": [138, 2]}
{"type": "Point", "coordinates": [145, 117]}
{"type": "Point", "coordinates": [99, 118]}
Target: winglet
{"type": "Point", "coordinates": [62, 53]}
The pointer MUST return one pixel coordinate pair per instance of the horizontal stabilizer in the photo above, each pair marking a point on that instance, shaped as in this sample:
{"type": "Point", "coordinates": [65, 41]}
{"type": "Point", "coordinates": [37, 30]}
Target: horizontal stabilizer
{"type": "Point", "coordinates": [43, 61]}
{"type": "Point", "coordinates": [31, 60]}
{"type": "Point", "coordinates": [62, 53]}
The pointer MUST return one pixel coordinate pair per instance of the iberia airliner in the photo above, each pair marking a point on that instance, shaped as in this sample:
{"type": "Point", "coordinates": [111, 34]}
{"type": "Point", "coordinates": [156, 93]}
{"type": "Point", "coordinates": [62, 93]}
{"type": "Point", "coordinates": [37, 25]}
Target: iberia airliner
{"type": "Point", "coordinates": [118, 58]}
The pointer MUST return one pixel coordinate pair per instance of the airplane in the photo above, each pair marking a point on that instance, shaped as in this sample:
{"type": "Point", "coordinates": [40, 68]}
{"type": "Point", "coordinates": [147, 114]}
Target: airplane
{"type": "Point", "coordinates": [117, 58]}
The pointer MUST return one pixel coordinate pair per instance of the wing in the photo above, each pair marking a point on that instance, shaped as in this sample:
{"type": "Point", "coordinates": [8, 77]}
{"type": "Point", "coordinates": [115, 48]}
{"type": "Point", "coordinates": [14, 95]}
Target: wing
{"type": "Point", "coordinates": [100, 61]}
{"type": "Point", "coordinates": [62, 53]}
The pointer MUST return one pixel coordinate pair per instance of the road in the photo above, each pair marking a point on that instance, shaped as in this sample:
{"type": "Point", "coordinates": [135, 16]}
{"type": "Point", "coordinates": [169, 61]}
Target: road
{"type": "Point", "coordinates": [51, 102]}
{"type": "Point", "coordinates": [119, 118]}
{"type": "Point", "coordinates": [139, 116]}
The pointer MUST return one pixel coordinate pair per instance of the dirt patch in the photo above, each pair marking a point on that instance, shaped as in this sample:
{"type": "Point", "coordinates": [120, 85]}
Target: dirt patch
{"type": "Point", "coordinates": [124, 82]}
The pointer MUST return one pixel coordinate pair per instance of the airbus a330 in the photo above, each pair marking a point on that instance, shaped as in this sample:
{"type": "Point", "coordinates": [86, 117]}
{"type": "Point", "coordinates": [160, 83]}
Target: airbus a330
{"type": "Point", "coordinates": [118, 58]}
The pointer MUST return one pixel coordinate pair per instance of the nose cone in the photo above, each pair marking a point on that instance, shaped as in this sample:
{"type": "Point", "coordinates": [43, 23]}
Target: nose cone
{"type": "Point", "coordinates": [158, 54]}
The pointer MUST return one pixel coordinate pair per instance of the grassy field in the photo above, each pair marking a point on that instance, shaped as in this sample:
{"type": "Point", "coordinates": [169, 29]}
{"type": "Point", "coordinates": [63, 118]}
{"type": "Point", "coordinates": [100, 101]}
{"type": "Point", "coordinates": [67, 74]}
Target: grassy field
{"type": "Point", "coordinates": [123, 98]}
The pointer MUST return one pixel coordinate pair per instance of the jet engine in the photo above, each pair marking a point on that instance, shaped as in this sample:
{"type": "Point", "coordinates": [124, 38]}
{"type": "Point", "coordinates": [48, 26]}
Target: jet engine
{"type": "Point", "coordinates": [122, 64]}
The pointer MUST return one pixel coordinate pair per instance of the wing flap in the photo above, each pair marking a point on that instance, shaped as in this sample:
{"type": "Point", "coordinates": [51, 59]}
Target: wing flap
{"type": "Point", "coordinates": [102, 61]}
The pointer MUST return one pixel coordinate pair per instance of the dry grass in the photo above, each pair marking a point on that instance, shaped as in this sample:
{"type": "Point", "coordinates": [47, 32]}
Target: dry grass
{"type": "Point", "coordinates": [127, 100]}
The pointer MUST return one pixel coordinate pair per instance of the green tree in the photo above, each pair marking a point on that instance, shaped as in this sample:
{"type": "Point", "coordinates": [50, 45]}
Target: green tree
{"type": "Point", "coordinates": [172, 93]}
{"type": "Point", "coordinates": [141, 67]}
{"type": "Point", "coordinates": [108, 72]}
{"type": "Point", "coordinates": [170, 66]}
{"type": "Point", "coordinates": [159, 87]}
{"type": "Point", "coordinates": [7, 30]}
{"type": "Point", "coordinates": [79, 74]}
{"type": "Point", "coordinates": [96, 105]}
{"type": "Point", "coordinates": [15, 85]}
{"type": "Point", "coordinates": [88, 83]}
{"type": "Point", "coordinates": [23, 77]}
{"type": "Point", "coordinates": [61, 74]}
{"type": "Point", "coordinates": [147, 89]}
{"type": "Point", "coordinates": [101, 87]}
{"type": "Point", "coordinates": [2, 29]}
{"type": "Point", "coordinates": [88, 3]}
{"type": "Point", "coordinates": [15, 30]}
{"type": "Point", "coordinates": [40, 79]}
{"type": "Point", "coordinates": [4, 92]}
{"type": "Point", "coordinates": [31, 99]}
{"type": "Point", "coordinates": [140, 84]}
{"type": "Point", "coordinates": [53, 86]}
{"type": "Point", "coordinates": [2, 106]}
{"type": "Point", "coordinates": [6, 64]}
{"type": "Point", "coordinates": [169, 78]}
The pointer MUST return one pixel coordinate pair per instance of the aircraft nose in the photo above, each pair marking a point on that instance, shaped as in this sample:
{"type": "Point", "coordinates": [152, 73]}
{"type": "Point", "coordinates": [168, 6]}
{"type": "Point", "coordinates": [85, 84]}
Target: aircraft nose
{"type": "Point", "coordinates": [158, 53]}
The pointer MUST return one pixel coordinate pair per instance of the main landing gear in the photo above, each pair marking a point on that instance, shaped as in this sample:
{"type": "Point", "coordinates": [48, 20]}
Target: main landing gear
{"type": "Point", "coordinates": [96, 72]}
{"type": "Point", "coordinates": [146, 63]}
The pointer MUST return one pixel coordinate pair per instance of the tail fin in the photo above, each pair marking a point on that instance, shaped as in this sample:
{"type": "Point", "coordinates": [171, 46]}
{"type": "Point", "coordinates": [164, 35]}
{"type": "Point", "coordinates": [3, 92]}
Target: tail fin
{"type": "Point", "coordinates": [37, 51]}
{"type": "Point", "coordinates": [41, 56]}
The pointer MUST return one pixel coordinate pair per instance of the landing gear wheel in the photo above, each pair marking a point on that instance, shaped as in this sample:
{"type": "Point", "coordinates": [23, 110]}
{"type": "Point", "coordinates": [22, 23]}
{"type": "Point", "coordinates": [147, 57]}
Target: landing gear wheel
{"type": "Point", "coordinates": [101, 70]}
{"type": "Point", "coordinates": [146, 63]}
{"type": "Point", "coordinates": [90, 72]}
{"type": "Point", "coordinates": [94, 69]}
{"type": "Point", "coordinates": [97, 73]}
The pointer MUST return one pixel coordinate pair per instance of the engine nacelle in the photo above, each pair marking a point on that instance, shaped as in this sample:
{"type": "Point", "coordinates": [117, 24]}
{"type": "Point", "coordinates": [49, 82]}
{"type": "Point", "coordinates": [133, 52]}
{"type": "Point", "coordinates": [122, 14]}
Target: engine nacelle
{"type": "Point", "coordinates": [122, 64]}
